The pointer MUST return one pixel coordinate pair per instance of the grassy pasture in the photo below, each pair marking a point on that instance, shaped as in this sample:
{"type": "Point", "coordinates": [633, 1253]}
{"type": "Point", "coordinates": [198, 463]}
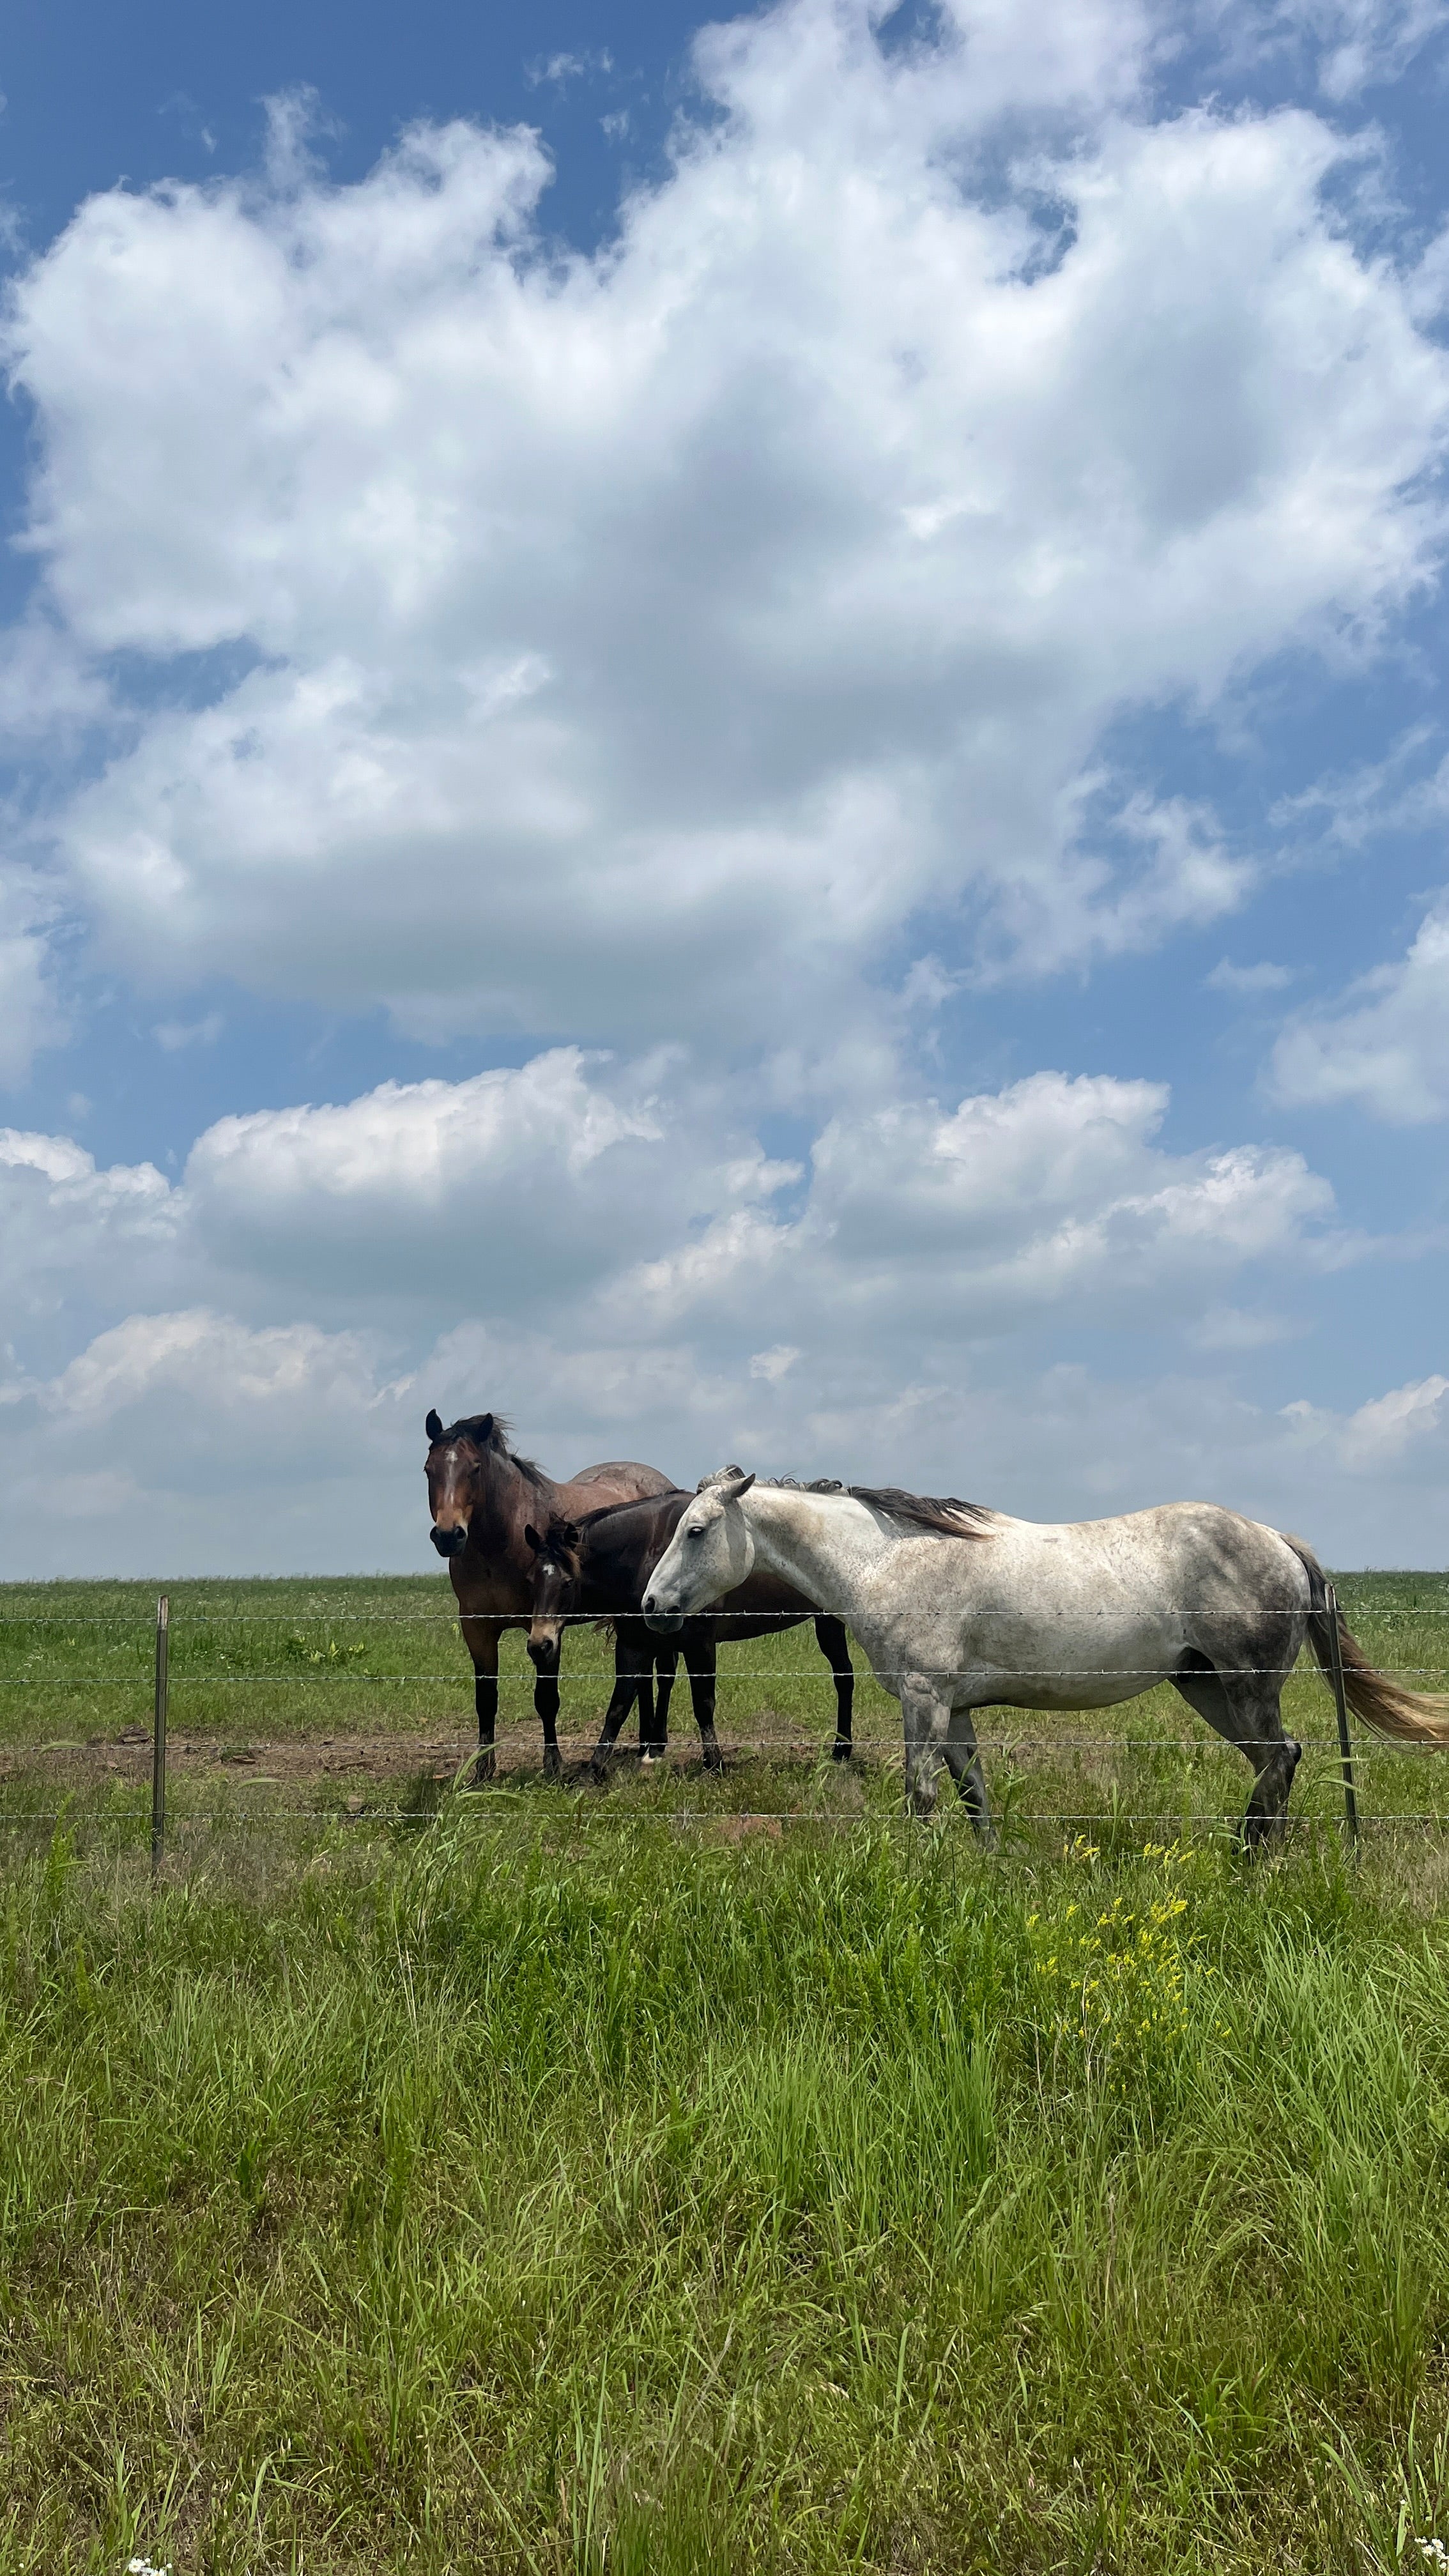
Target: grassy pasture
{"type": "Point", "coordinates": [549, 2184]}
{"type": "Point", "coordinates": [299, 1675]}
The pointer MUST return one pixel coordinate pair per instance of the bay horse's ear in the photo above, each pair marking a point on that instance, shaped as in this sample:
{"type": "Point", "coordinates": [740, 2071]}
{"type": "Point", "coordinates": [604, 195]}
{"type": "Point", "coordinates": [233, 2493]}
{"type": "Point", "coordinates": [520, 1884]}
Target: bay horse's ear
{"type": "Point", "coordinates": [533, 1539]}
{"type": "Point", "coordinates": [433, 1427]}
{"type": "Point", "coordinates": [483, 1427]}
{"type": "Point", "coordinates": [568, 1533]}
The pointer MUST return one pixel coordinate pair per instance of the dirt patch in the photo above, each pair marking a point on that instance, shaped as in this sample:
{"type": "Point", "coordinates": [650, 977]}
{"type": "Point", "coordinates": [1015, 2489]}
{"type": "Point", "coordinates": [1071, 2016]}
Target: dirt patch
{"type": "Point", "coordinates": [357, 1765]}
{"type": "Point", "coordinates": [324, 1763]}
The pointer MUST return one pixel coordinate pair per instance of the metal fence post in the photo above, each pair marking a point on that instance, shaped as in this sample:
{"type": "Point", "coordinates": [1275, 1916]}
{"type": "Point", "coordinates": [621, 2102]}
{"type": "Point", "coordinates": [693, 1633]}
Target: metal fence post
{"type": "Point", "coordinates": [1335, 1661]}
{"type": "Point", "coordinates": [158, 1736]}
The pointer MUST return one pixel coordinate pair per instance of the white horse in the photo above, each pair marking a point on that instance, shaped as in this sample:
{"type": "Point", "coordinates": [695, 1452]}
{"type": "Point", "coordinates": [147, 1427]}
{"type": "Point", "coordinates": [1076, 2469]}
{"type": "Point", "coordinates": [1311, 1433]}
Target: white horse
{"type": "Point", "coordinates": [960, 1608]}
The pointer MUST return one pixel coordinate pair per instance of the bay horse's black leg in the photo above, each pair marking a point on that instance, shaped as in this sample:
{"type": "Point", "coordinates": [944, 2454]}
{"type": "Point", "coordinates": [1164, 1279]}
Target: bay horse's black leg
{"type": "Point", "coordinates": [545, 1703]}
{"type": "Point", "coordinates": [482, 1643]}
{"type": "Point", "coordinates": [642, 1647]}
{"type": "Point", "coordinates": [665, 1664]}
{"type": "Point", "coordinates": [633, 1664]}
{"type": "Point", "coordinates": [834, 1645]}
{"type": "Point", "coordinates": [701, 1652]}
{"type": "Point", "coordinates": [649, 1746]}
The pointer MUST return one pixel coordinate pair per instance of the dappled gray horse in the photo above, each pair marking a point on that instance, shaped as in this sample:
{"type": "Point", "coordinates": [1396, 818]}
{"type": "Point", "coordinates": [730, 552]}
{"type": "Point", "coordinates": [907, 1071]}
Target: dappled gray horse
{"type": "Point", "coordinates": [960, 1608]}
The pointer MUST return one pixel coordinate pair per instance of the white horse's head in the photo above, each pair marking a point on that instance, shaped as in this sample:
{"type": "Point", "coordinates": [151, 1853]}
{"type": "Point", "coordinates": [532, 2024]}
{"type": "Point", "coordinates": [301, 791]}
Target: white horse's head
{"type": "Point", "coordinates": [711, 1551]}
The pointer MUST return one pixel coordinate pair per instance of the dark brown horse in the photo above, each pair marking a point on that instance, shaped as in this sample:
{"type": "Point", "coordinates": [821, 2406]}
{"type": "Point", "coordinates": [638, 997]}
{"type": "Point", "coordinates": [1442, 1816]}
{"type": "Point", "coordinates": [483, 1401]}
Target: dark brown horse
{"type": "Point", "coordinates": [599, 1566]}
{"type": "Point", "coordinates": [482, 1496]}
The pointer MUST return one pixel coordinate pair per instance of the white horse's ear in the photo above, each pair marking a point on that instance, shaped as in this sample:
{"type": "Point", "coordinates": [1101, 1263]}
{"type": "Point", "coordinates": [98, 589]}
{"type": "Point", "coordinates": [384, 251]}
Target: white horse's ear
{"type": "Point", "coordinates": [731, 1487]}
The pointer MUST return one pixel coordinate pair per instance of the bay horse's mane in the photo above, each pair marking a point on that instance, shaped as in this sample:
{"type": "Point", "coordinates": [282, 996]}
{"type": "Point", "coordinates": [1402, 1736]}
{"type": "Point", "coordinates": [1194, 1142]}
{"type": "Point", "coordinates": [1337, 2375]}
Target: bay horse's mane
{"type": "Point", "coordinates": [944, 1514]}
{"type": "Point", "coordinates": [494, 1431]}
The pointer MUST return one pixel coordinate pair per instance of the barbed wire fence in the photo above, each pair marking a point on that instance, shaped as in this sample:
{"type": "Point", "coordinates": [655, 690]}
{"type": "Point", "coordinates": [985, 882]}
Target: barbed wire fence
{"type": "Point", "coordinates": [1353, 1751]}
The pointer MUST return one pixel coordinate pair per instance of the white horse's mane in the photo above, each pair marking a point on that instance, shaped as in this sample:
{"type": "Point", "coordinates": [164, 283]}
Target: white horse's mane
{"type": "Point", "coordinates": [945, 1515]}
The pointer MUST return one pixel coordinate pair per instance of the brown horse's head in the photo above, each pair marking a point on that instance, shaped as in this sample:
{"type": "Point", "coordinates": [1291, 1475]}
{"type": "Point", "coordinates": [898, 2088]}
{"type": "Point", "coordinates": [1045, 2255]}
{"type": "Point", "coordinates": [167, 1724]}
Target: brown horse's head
{"type": "Point", "coordinates": [555, 1589]}
{"type": "Point", "coordinates": [457, 1464]}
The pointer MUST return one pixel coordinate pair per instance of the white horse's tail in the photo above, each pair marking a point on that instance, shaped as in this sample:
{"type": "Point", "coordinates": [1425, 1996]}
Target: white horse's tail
{"type": "Point", "coordinates": [1415, 1717]}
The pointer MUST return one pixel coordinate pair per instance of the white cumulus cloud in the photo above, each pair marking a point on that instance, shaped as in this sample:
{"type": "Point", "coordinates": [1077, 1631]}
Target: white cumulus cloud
{"type": "Point", "coordinates": [75, 1240]}
{"type": "Point", "coordinates": [891, 1318]}
{"type": "Point", "coordinates": [592, 1199]}
{"type": "Point", "coordinates": [1050, 1197]}
{"type": "Point", "coordinates": [186, 1442]}
{"type": "Point", "coordinates": [690, 664]}
{"type": "Point", "coordinates": [660, 632]}
{"type": "Point", "coordinates": [1386, 1045]}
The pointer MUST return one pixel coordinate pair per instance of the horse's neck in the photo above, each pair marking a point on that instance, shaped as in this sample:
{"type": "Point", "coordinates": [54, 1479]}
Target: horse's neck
{"type": "Point", "coordinates": [510, 1501]}
{"type": "Point", "coordinates": [822, 1554]}
{"type": "Point", "coordinates": [604, 1592]}
{"type": "Point", "coordinates": [611, 1573]}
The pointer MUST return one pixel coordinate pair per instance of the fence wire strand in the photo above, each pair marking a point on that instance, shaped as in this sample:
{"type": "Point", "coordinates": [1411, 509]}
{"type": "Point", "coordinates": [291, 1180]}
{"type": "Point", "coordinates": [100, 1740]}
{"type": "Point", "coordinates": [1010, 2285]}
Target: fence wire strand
{"type": "Point", "coordinates": [1151, 1676]}
{"type": "Point", "coordinates": [144, 1619]}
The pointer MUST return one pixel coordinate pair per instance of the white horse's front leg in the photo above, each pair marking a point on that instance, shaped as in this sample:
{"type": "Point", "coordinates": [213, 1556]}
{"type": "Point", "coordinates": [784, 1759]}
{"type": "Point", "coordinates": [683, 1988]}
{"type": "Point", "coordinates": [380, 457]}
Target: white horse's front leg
{"type": "Point", "coordinates": [926, 1716]}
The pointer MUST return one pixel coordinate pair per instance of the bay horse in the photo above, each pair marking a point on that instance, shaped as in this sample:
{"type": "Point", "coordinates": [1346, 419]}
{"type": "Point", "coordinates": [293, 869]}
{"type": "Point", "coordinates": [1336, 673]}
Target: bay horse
{"type": "Point", "coordinates": [959, 1608]}
{"type": "Point", "coordinates": [600, 1566]}
{"type": "Point", "coordinates": [481, 1496]}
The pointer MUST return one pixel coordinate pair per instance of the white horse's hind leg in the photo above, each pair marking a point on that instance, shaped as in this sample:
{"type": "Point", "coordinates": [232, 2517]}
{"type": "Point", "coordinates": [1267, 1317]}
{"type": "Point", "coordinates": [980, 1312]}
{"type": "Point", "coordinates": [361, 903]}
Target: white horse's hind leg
{"type": "Point", "coordinates": [1244, 1707]}
{"type": "Point", "coordinates": [964, 1764]}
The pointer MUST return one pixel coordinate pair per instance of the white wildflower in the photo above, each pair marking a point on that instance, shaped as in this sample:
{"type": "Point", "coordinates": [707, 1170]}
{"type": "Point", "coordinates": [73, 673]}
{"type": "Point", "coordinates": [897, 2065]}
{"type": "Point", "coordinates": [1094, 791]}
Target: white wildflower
{"type": "Point", "coordinates": [1434, 2551]}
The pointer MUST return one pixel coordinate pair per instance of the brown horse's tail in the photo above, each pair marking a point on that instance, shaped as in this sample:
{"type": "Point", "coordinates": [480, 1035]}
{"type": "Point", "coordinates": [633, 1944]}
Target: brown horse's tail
{"type": "Point", "coordinates": [1415, 1717]}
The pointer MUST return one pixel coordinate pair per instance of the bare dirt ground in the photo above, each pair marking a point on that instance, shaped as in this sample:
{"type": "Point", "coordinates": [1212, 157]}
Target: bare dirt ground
{"type": "Point", "coordinates": [330, 1761]}
{"type": "Point", "coordinates": [358, 1765]}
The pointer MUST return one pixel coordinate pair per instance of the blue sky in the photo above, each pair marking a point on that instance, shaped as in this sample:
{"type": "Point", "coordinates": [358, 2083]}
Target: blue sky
{"type": "Point", "coordinates": [728, 733]}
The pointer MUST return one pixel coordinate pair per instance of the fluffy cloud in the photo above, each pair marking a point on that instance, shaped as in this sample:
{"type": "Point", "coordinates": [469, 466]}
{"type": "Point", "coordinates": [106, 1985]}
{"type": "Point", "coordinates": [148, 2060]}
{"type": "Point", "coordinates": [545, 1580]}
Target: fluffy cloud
{"type": "Point", "coordinates": [188, 1443]}
{"type": "Point", "coordinates": [1048, 1198]}
{"type": "Point", "coordinates": [253, 1382]}
{"type": "Point", "coordinates": [455, 1193]}
{"type": "Point", "coordinates": [1386, 1047]}
{"type": "Point", "coordinates": [76, 1243]}
{"type": "Point", "coordinates": [228, 1431]}
{"type": "Point", "coordinates": [508, 1193]}
{"type": "Point", "coordinates": [680, 640]}
{"type": "Point", "coordinates": [1410, 1424]}
{"type": "Point", "coordinates": [683, 621]}
{"type": "Point", "coordinates": [566, 1192]}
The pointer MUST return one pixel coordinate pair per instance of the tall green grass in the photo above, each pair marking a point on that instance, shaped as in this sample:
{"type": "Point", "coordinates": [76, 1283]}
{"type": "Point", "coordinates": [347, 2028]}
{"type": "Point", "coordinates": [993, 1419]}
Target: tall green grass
{"type": "Point", "coordinates": [520, 2197]}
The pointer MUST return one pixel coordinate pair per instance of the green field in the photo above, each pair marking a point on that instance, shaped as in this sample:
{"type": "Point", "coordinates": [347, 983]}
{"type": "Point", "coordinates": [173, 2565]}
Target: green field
{"type": "Point", "coordinates": [554, 2179]}
{"type": "Point", "coordinates": [289, 1669]}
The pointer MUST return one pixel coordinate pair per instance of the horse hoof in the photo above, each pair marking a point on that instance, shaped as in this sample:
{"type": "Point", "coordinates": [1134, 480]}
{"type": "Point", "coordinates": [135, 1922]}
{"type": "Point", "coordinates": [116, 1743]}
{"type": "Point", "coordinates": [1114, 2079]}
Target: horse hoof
{"type": "Point", "coordinates": [649, 1761]}
{"type": "Point", "coordinates": [841, 1749]}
